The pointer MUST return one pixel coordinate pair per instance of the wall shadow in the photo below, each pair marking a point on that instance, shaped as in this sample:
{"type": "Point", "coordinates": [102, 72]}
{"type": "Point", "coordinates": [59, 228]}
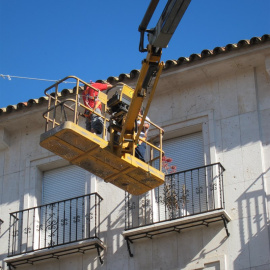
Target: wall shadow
{"type": "Point", "coordinates": [253, 225]}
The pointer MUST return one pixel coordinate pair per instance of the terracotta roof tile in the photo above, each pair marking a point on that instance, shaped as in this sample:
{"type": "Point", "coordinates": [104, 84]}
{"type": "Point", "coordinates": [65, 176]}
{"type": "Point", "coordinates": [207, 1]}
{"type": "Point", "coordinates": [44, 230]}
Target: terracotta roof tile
{"type": "Point", "coordinates": [21, 105]}
{"type": "Point", "coordinates": [135, 73]}
{"type": "Point", "coordinates": [42, 99]}
{"type": "Point", "coordinates": [255, 40]}
{"type": "Point", "coordinates": [113, 80]}
{"type": "Point", "coordinates": [243, 43]}
{"type": "Point", "coordinates": [11, 108]}
{"type": "Point", "coordinates": [3, 110]}
{"type": "Point", "coordinates": [230, 47]}
{"type": "Point", "coordinates": [170, 63]}
{"type": "Point", "coordinates": [218, 50]}
{"type": "Point", "coordinates": [206, 53]}
{"type": "Point", "coordinates": [182, 60]}
{"type": "Point", "coordinates": [66, 92]}
{"type": "Point", "coordinates": [265, 38]}
{"type": "Point", "coordinates": [32, 102]}
{"type": "Point", "coordinates": [194, 57]}
{"type": "Point", "coordinates": [124, 77]}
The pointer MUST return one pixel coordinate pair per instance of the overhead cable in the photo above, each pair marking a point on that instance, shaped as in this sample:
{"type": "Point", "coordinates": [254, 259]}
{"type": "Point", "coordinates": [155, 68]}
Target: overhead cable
{"type": "Point", "coordinates": [37, 79]}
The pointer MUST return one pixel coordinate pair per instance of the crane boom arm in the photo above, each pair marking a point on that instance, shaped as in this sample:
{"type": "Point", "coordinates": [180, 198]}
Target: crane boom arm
{"type": "Point", "coordinates": [159, 38]}
{"type": "Point", "coordinates": [171, 16]}
{"type": "Point", "coordinates": [151, 68]}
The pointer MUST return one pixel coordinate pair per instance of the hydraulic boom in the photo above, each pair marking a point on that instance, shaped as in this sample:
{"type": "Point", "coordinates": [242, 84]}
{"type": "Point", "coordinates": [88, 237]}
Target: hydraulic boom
{"type": "Point", "coordinates": [112, 155]}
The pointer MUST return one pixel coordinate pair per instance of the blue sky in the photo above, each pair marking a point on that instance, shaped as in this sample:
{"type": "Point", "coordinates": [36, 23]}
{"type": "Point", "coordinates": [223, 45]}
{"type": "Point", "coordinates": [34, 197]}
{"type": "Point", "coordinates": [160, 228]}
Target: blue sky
{"type": "Point", "coordinates": [97, 39]}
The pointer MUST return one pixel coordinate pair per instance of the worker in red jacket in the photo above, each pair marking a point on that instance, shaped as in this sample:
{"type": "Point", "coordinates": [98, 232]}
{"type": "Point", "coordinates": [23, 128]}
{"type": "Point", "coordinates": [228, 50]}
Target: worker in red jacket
{"type": "Point", "coordinates": [94, 123]}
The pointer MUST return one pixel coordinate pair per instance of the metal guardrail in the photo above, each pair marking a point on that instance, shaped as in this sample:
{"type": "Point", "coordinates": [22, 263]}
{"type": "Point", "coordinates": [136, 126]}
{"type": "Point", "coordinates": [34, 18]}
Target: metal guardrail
{"type": "Point", "coordinates": [186, 193]}
{"type": "Point", "coordinates": [54, 224]}
{"type": "Point", "coordinates": [61, 109]}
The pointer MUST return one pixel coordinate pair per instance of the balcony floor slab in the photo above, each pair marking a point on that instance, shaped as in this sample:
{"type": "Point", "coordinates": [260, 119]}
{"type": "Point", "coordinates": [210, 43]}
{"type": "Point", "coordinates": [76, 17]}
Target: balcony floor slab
{"type": "Point", "coordinates": [179, 224]}
{"type": "Point", "coordinates": [56, 252]}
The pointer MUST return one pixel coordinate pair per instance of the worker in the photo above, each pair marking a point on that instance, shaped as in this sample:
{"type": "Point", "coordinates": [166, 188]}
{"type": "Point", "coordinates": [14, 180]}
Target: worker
{"type": "Point", "coordinates": [94, 123]}
{"type": "Point", "coordinates": [141, 147]}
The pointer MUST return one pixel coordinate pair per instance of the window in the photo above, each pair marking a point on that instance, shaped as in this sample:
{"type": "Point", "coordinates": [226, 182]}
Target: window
{"type": "Point", "coordinates": [64, 183]}
{"type": "Point", "coordinates": [62, 208]}
{"type": "Point", "coordinates": [182, 194]}
{"type": "Point", "coordinates": [64, 222]}
{"type": "Point", "coordinates": [209, 263]}
{"type": "Point", "coordinates": [186, 151]}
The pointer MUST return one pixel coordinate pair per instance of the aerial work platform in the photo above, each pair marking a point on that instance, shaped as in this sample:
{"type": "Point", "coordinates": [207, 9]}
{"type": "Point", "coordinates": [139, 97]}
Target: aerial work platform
{"type": "Point", "coordinates": [108, 157]}
{"type": "Point", "coordinates": [92, 153]}
{"type": "Point", "coordinates": [115, 160]}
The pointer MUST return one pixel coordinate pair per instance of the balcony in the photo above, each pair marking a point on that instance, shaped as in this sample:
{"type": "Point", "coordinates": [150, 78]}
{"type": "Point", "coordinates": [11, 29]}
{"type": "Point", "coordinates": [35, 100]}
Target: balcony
{"type": "Point", "coordinates": [54, 230]}
{"type": "Point", "coordinates": [189, 198]}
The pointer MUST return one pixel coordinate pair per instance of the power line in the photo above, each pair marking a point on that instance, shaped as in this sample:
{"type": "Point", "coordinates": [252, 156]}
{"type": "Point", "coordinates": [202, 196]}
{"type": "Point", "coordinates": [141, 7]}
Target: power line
{"type": "Point", "coordinates": [28, 78]}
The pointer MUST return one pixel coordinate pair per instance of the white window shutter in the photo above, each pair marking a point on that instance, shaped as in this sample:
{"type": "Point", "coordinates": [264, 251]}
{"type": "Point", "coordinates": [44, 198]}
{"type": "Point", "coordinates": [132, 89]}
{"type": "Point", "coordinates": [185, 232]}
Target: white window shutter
{"type": "Point", "coordinates": [66, 221]}
{"type": "Point", "coordinates": [63, 183]}
{"type": "Point", "coordinates": [186, 151]}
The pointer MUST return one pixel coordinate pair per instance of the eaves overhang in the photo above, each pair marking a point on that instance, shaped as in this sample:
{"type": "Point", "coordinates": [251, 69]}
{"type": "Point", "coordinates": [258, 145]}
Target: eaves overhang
{"type": "Point", "coordinates": [182, 62]}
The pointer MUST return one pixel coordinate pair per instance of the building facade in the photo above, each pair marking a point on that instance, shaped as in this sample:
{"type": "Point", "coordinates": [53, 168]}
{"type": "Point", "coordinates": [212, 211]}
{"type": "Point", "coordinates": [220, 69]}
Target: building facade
{"type": "Point", "coordinates": [212, 212]}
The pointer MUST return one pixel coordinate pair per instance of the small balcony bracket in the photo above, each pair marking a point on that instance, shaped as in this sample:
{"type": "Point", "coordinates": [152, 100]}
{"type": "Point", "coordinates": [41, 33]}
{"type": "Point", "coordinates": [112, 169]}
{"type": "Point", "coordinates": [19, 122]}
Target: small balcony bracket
{"type": "Point", "coordinates": [128, 246]}
{"type": "Point", "coordinates": [10, 266]}
{"type": "Point", "coordinates": [99, 255]}
{"type": "Point", "coordinates": [225, 221]}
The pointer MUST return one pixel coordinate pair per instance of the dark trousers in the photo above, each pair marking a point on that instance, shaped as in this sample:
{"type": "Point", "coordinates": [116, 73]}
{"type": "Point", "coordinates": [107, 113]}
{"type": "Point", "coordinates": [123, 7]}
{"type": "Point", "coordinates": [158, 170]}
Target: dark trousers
{"type": "Point", "coordinates": [140, 151]}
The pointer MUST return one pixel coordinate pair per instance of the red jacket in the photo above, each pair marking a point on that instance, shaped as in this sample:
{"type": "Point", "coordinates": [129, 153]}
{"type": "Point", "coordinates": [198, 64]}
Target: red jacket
{"type": "Point", "coordinates": [89, 94]}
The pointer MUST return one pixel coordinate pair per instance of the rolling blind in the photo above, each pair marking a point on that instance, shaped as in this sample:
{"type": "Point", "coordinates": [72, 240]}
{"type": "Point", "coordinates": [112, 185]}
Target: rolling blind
{"type": "Point", "coordinates": [186, 151]}
{"type": "Point", "coordinates": [63, 183]}
{"type": "Point", "coordinates": [63, 222]}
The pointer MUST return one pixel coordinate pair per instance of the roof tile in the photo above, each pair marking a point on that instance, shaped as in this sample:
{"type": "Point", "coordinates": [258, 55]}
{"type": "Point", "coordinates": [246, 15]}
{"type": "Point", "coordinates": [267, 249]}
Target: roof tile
{"type": "Point", "coordinates": [124, 77]}
{"type": "Point", "coordinates": [113, 80]}
{"type": "Point", "coordinates": [243, 43]}
{"type": "Point", "coordinates": [134, 74]}
{"type": "Point", "coordinates": [66, 92]}
{"type": "Point", "coordinates": [218, 50]}
{"type": "Point", "coordinates": [21, 105]}
{"type": "Point", "coordinates": [255, 40]}
{"type": "Point", "coordinates": [265, 38]}
{"type": "Point", "coordinates": [206, 53]}
{"type": "Point", "coordinates": [182, 60]}
{"type": "Point", "coordinates": [170, 63]}
{"type": "Point", "coordinates": [194, 57]}
{"type": "Point", "coordinates": [230, 47]}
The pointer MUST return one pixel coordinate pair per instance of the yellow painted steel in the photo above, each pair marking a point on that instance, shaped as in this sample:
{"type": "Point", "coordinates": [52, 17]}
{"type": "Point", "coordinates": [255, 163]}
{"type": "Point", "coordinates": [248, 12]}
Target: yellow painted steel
{"type": "Point", "coordinates": [114, 162]}
{"type": "Point", "coordinates": [126, 93]}
{"type": "Point", "coordinates": [140, 93]}
{"type": "Point", "coordinates": [92, 153]}
{"type": "Point", "coordinates": [160, 68]}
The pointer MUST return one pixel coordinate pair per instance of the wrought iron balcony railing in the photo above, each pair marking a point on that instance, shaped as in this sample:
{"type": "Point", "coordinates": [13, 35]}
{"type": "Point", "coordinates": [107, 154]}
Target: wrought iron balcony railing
{"type": "Point", "coordinates": [54, 224]}
{"type": "Point", "coordinates": [183, 194]}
